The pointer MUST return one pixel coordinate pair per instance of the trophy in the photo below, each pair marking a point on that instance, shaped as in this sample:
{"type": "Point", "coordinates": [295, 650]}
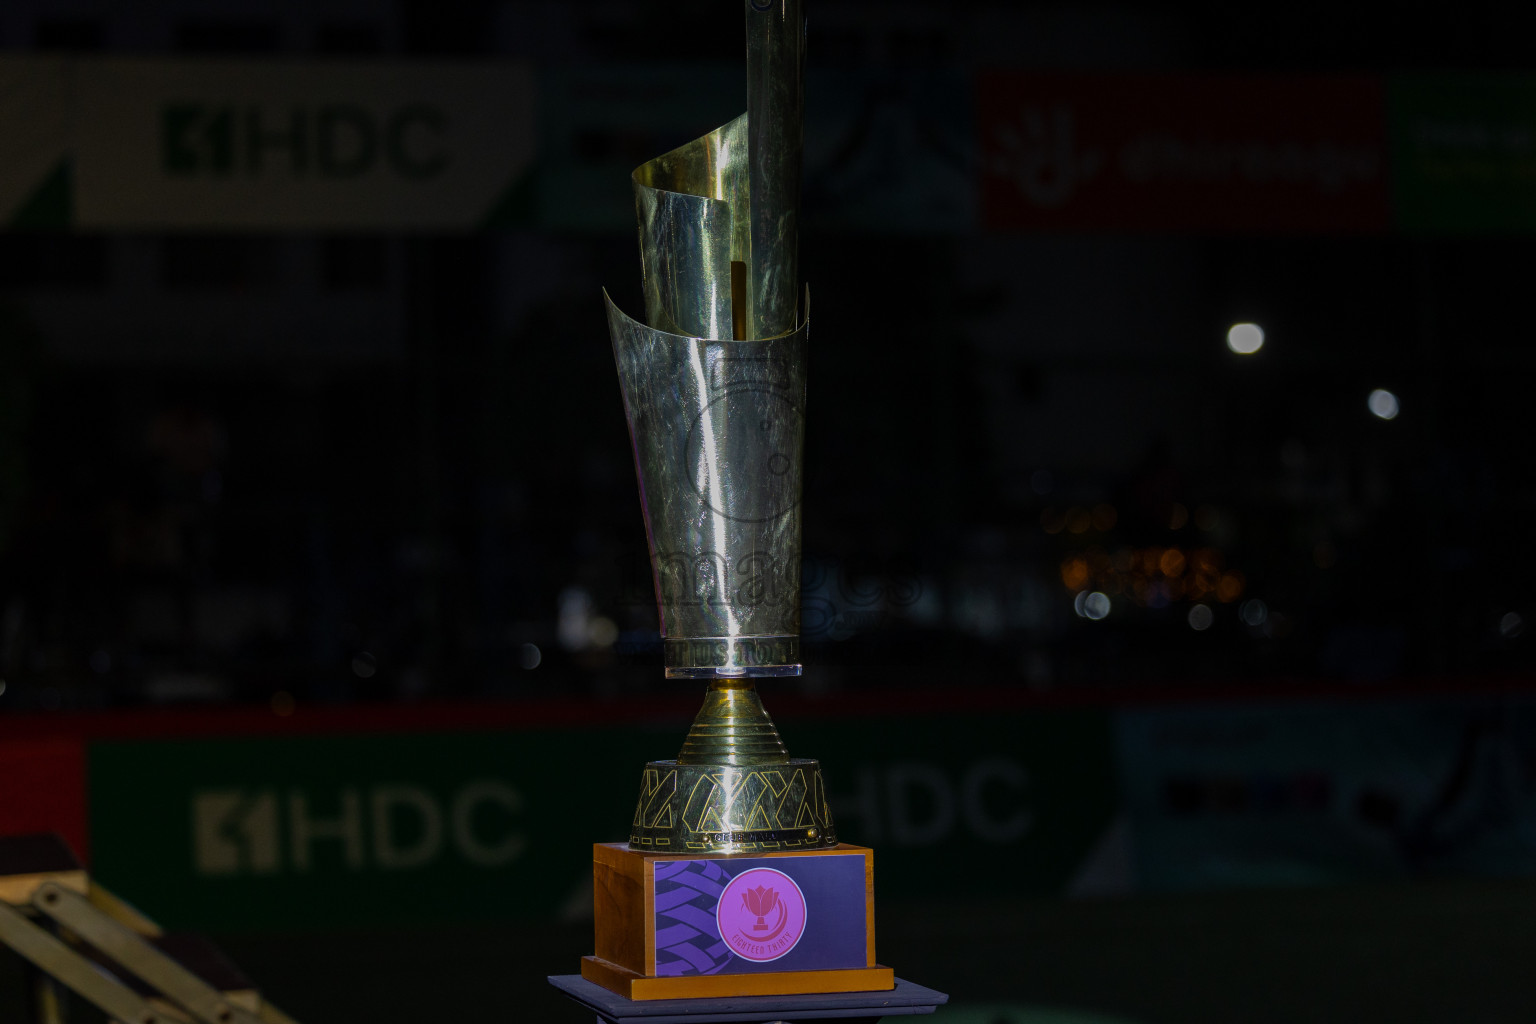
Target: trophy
{"type": "Point", "coordinates": [733, 883]}
{"type": "Point", "coordinates": [714, 391]}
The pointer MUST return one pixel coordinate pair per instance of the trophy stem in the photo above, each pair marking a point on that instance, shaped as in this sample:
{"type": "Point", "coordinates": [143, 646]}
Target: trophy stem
{"type": "Point", "coordinates": [733, 788]}
{"type": "Point", "coordinates": [733, 728]}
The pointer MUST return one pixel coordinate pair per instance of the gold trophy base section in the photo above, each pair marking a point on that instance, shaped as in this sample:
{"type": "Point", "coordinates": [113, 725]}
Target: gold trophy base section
{"type": "Point", "coordinates": [639, 987]}
{"type": "Point", "coordinates": [624, 894]}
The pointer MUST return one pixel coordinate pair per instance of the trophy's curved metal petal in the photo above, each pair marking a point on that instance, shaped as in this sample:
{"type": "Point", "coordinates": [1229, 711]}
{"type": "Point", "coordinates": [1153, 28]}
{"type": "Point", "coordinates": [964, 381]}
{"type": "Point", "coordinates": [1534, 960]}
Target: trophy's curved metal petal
{"type": "Point", "coordinates": [692, 206]}
{"type": "Point", "coordinates": [718, 431]}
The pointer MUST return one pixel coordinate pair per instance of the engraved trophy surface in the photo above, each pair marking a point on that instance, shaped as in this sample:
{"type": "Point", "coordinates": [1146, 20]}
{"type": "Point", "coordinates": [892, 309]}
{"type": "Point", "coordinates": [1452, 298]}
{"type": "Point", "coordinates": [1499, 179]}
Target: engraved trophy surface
{"type": "Point", "coordinates": [714, 386]}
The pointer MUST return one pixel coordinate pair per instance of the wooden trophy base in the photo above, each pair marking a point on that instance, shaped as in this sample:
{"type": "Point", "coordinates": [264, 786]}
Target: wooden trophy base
{"type": "Point", "coordinates": [681, 926]}
{"type": "Point", "coordinates": [640, 987]}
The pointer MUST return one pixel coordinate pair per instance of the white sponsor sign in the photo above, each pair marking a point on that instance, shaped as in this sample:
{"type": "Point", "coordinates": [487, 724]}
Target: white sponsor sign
{"type": "Point", "coordinates": [34, 128]}
{"type": "Point", "coordinates": [295, 145]}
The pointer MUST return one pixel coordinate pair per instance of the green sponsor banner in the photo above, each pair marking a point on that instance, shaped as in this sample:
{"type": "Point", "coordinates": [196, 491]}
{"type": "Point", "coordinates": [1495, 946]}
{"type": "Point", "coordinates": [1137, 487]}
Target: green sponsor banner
{"type": "Point", "coordinates": [981, 803]}
{"type": "Point", "coordinates": [1315, 793]}
{"type": "Point", "coordinates": [295, 831]}
{"type": "Point", "coordinates": [1463, 152]}
{"type": "Point", "coordinates": [344, 830]}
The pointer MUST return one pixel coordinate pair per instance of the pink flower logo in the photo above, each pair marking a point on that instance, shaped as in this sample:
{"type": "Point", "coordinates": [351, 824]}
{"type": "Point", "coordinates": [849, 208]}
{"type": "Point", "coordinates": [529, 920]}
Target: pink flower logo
{"type": "Point", "coordinates": [761, 914]}
{"type": "Point", "coordinates": [760, 901]}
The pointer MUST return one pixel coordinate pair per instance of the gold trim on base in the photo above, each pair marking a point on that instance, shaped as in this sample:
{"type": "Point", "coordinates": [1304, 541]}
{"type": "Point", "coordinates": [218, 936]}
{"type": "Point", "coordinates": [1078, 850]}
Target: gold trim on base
{"type": "Point", "coordinates": [639, 987]}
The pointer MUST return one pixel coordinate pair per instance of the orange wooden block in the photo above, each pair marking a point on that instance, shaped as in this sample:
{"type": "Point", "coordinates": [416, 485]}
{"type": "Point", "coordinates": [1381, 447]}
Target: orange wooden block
{"type": "Point", "coordinates": [723, 986]}
{"type": "Point", "coordinates": [624, 885]}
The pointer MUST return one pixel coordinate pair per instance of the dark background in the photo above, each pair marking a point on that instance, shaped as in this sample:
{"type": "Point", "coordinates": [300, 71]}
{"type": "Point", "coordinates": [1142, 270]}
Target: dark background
{"type": "Point", "coordinates": [452, 513]}
{"type": "Point", "coordinates": [184, 522]}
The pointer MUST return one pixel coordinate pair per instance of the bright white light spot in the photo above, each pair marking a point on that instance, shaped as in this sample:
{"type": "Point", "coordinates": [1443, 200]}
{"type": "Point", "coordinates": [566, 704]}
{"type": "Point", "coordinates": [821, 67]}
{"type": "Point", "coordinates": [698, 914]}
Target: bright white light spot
{"type": "Point", "coordinates": [529, 656]}
{"type": "Point", "coordinates": [1254, 612]}
{"type": "Point", "coordinates": [1383, 403]}
{"type": "Point", "coordinates": [1245, 339]}
{"type": "Point", "coordinates": [1095, 606]}
{"type": "Point", "coordinates": [1201, 617]}
{"type": "Point", "coordinates": [1510, 625]}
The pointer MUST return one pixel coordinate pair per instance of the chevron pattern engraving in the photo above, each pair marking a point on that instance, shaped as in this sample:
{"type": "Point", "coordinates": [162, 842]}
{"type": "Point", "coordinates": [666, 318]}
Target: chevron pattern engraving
{"type": "Point", "coordinates": [732, 809]}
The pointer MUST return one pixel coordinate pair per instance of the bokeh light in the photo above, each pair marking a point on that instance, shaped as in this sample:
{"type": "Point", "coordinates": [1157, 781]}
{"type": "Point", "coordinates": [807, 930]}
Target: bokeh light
{"type": "Point", "coordinates": [1383, 404]}
{"type": "Point", "coordinates": [603, 632]}
{"type": "Point", "coordinates": [1245, 339]}
{"type": "Point", "coordinates": [1074, 573]}
{"type": "Point", "coordinates": [1254, 612]}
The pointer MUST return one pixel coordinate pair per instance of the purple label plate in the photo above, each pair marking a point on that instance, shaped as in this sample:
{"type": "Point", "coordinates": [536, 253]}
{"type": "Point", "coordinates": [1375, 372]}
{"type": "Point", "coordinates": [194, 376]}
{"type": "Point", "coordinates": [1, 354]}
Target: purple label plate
{"type": "Point", "coordinates": [755, 914]}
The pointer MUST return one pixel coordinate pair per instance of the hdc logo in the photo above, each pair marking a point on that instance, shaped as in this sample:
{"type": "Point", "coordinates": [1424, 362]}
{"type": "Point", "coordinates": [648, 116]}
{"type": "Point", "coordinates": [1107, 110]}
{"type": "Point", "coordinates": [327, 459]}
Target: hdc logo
{"type": "Point", "coordinates": [264, 832]}
{"type": "Point", "coordinates": [335, 140]}
{"type": "Point", "coordinates": [921, 803]}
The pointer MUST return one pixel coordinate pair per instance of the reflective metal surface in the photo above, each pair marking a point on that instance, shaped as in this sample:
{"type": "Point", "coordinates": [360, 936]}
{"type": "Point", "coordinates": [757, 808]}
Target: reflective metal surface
{"type": "Point", "coordinates": [717, 429]}
{"type": "Point", "coordinates": [694, 808]}
{"type": "Point", "coordinates": [714, 392]}
{"type": "Point", "coordinates": [733, 728]}
{"type": "Point", "coordinates": [714, 380]}
{"type": "Point", "coordinates": [694, 222]}
{"type": "Point", "coordinates": [775, 115]}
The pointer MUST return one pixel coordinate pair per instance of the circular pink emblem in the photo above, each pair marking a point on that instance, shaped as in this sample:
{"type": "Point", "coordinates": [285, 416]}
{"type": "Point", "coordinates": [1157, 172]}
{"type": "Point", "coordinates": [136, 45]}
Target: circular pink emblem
{"type": "Point", "coordinates": [761, 914]}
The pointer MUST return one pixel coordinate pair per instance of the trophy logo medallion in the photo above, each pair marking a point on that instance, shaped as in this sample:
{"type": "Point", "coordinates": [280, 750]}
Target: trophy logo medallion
{"type": "Point", "coordinates": [761, 914]}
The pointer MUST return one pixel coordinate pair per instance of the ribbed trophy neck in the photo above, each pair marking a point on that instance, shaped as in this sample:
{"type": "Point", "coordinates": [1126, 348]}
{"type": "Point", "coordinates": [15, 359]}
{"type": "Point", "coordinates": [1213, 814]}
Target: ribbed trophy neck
{"type": "Point", "coordinates": [733, 728]}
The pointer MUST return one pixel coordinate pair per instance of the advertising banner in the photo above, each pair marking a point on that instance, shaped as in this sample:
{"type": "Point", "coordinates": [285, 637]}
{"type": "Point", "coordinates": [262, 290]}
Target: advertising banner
{"type": "Point", "coordinates": [106, 143]}
{"type": "Point", "coordinates": [271, 145]}
{"type": "Point", "coordinates": [34, 124]}
{"type": "Point", "coordinates": [885, 151]}
{"type": "Point", "coordinates": [891, 150]}
{"type": "Point", "coordinates": [1464, 152]}
{"type": "Point", "coordinates": [1210, 153]}
{"type": "Point", "coordinates": [332, 830]}
{"type": "Point", "coordinates": [1303, 793]}
{"type": "Point", "coordinates": [602, 121]}
{"type": "Point", "coordinates": [329, 826]}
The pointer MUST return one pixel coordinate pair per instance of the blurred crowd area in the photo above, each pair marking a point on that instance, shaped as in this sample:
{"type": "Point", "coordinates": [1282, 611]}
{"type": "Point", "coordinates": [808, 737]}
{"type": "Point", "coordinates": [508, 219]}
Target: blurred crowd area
{"type": "Point", "coordinates": [267, 467]}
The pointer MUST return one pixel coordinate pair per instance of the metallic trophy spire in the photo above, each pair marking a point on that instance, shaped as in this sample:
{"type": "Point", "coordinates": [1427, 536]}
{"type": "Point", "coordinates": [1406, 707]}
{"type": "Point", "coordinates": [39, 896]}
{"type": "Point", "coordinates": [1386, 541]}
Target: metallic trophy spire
{"type": "Point", "coordinates": [714, 392]}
